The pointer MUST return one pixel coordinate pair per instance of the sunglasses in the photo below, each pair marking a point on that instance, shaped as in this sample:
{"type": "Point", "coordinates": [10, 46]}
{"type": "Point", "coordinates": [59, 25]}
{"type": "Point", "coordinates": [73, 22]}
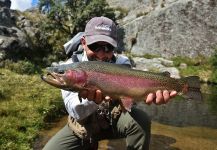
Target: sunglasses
{"type": "Point", "coordinates": [95, 47]}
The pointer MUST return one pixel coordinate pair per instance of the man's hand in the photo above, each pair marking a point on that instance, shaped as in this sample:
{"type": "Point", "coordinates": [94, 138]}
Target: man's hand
{"type": "Point", "coordinates": [160, 97]}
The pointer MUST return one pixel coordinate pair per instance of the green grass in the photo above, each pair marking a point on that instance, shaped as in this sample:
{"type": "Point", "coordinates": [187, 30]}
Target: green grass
{"type": "Point", "coordinates": [26, 103]}
{"type": "Point", "coordinates": [199, 66]}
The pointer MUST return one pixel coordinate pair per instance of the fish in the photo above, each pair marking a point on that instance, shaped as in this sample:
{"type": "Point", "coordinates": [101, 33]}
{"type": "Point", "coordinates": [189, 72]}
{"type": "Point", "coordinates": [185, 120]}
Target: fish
{"type": "Point", "coordinates": [118, 81]}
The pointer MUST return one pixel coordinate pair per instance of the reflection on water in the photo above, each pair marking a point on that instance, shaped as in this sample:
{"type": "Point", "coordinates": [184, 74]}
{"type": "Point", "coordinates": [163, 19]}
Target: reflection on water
{"type": "Point", "coordinates": [212, 99]}
{"type": "Point", "coordinates": [187, 112]}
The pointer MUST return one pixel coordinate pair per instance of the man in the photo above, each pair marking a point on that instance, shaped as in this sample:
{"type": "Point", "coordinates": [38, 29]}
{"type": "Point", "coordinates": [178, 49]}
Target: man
{"type": "Point", "coordinates": [97, 116]}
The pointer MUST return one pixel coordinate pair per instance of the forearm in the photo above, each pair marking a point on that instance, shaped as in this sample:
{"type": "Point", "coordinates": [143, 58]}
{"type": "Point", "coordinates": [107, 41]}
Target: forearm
{"type": "Point", "coordinates": [78, 110]}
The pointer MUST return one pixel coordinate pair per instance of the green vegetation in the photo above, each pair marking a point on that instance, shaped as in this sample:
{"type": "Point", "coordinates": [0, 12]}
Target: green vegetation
{"type": "Point", "coordinates": [26, 103]}
{"type": "Point", "coordinates": [199, 66]}
{"type": "Point", "coordinates": [21, 67]}
{"type": "Point", "coordinates": [123, 12]}
{"type": "Point", "coordinates": [205, 68]}
{"type": "Point", "coordinates": [214, 67]}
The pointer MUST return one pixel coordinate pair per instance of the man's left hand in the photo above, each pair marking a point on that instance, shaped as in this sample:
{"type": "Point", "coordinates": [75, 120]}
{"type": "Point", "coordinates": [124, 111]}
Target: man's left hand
{"type": "Point", "coordinates": [160, 97]}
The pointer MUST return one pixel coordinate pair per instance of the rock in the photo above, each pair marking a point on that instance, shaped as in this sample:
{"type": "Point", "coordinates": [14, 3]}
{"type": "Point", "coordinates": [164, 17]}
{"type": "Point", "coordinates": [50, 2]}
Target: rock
{"type": "Point", "coordinates": [2, 56]}
{"type": "Point", "coordinates": [1, 41]}
{"type": "Point", "coordinates": [5, 3]}
{"type": "Point", "coordinates": [183, 66]}
{"type": "Point", "coordinates": [27, 23]}
{"type": "Point", "coordinates": [172, 28]}
{"type": "Point", "coordinates": [5, 16]}
{"type": "Point", "coordinates": [20, 18]}
{"type": "Point", "coordinates": [165, 62]}
{"type": "Point", "coordinates": [174, 72]}
{"type": "Point", "coordinates": [17, 33]}
{"type": "Point", "coordinates": [156, 65]}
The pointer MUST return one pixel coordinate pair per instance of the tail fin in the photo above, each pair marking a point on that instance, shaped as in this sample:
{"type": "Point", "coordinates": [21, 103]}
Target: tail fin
{"type": "Point", "coordinates": [193, 91]}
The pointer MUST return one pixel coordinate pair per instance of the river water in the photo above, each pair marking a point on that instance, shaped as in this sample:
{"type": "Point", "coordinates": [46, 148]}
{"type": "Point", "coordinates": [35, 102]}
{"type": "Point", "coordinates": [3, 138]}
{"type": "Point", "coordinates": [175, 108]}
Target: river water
{"type": "Point", "coordinates": [179, 125]}
{"type": "Point", "coordinates": [184, 112]}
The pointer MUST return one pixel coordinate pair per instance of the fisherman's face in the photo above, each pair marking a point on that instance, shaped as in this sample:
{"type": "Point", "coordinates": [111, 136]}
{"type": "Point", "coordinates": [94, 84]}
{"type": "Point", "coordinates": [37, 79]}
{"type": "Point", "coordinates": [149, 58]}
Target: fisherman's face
{"type": "Point", "coordinates": [99, 51]}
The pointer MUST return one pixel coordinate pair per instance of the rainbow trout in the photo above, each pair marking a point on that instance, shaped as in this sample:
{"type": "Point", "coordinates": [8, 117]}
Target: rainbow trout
{"type": "Point", "coordinates": [118, 81]}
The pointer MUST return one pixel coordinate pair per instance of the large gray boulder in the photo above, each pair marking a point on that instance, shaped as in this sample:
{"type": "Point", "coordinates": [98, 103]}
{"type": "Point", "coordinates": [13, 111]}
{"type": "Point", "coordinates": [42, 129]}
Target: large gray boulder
{"type": "Point", "coordinates": [5, 15]}
{"type": "Point", "coordinates": [16, 32]}
{"type": "Point", "coordinates": [171, 27]}
{"type": "Point", "coordinates": [5, 3]}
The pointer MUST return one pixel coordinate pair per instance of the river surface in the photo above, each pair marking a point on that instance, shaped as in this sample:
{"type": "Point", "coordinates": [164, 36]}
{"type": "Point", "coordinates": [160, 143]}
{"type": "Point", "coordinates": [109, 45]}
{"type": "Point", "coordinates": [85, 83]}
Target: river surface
{"type": "Point", "coordinates": [179, 125]}
{"type": "Point", "coordinates": [182, 112]}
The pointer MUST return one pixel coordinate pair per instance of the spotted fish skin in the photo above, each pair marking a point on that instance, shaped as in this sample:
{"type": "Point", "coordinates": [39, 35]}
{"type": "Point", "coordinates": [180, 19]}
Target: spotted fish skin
{"type": "Point", "coordinates": [117, 80]}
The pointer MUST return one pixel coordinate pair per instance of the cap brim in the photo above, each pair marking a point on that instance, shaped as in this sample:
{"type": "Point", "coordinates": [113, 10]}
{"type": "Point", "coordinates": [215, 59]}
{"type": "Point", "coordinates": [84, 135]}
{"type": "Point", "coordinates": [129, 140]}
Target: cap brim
{"type": "Point", "coordinates": [96, 38]}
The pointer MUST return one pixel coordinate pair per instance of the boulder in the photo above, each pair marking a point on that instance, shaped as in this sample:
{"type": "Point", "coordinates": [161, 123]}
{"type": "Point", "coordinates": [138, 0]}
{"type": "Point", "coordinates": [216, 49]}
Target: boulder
{"type": "Point", "coordinates": [5, 3]}
{"type": "Point", "coordinates": [170, 27]}
{"type": "Point", "coordinates": [156, 65]}
{"type": "Point", "coordinates": [15, 33]}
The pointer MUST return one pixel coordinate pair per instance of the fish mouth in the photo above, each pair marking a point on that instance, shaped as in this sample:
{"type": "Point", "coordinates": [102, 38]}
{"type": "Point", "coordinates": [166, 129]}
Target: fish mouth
{"type": "Point", "coordinates": [55, 79]}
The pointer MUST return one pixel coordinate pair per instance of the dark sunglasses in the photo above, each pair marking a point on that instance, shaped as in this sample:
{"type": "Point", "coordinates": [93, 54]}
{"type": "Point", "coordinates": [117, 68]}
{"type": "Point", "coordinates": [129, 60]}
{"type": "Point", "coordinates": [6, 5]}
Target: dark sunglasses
{"type": "Point", "coordinates": [95, 47]}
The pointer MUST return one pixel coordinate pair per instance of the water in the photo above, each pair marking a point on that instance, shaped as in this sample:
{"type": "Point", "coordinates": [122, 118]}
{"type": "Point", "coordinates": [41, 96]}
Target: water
{"type": "Point", "coordinates": [183, 112]}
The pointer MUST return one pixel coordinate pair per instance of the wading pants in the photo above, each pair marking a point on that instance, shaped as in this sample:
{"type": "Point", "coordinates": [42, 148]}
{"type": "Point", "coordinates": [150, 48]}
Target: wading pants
{"type": "Point", "coordinates": [134, 126]}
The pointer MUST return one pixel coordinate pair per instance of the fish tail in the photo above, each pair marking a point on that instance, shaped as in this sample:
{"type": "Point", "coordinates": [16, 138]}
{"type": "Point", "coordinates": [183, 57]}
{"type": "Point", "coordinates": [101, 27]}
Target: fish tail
{"type": "Point", "coordinates": [192, 89]}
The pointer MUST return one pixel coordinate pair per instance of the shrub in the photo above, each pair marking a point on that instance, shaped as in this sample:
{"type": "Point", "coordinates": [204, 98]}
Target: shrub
{"type": "Point", "coordinates": [22, 67]}
{"type": "Point", "coordinates": [213, 62]}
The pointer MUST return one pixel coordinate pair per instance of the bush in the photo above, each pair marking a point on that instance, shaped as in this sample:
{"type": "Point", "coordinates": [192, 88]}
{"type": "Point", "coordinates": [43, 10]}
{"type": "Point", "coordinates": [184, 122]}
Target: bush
{"type": "Point", "coordinates": [22, 67]}
{"type": "Point", "coordinates": [189, 61]}
{"type": "Point", "coordinates": [213, 62]}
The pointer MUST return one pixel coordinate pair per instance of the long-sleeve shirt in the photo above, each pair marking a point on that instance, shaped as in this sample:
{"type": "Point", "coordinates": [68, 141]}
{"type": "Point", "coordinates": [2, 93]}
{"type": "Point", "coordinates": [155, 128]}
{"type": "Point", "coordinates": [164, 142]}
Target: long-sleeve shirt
{"type": "Point", "coordinates": [80, 110]}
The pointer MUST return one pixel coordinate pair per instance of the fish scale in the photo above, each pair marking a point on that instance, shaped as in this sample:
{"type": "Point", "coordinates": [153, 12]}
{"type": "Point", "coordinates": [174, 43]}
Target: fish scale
{"type": "Point", "coordinates": [118, 80]}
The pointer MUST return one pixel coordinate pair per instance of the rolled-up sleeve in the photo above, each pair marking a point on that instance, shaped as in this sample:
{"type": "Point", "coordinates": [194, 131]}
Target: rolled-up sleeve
{"type": "Point", "coordinates": [78, 110]}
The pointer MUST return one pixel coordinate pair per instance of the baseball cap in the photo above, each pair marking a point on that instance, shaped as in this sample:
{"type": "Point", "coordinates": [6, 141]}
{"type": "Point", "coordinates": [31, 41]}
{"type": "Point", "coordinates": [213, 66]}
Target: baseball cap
{"type": "Point", "coordinates": [101, 29]}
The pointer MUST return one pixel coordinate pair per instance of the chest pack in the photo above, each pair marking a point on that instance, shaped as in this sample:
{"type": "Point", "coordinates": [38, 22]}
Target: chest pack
{"type": "Point", "coordinates": [73, 46]}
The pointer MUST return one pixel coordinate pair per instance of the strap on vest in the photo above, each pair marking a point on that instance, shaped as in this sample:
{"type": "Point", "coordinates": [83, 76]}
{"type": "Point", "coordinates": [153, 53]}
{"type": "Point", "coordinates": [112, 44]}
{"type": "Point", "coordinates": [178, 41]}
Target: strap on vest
{"type": "Point", "coordinates": [76, 57]}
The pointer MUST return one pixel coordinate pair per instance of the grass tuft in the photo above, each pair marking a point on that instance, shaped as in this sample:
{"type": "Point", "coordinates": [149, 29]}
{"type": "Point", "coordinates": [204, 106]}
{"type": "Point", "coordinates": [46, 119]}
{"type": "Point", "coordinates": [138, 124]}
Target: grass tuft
{"type": "Point", "coordinates": [26, 103]}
